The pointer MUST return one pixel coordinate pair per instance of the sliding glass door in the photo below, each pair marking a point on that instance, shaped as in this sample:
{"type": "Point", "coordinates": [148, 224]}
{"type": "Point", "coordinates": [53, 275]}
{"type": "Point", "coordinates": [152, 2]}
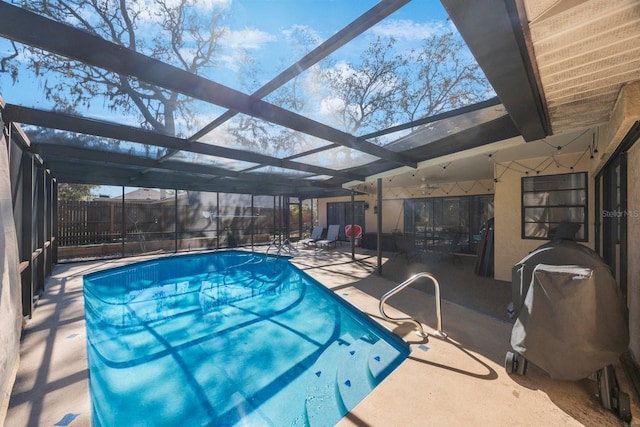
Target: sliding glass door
{"type": "Point", "coordinates": [340, 213]}
{"type": "Point", "coordinates": [447, 221]}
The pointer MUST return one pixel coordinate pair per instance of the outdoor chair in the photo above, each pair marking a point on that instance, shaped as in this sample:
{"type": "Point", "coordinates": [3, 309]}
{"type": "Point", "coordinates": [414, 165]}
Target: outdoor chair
{"type": "Point", "coordinates": [405, 246]}
{"type": "Point", "coordinates": [316, 234]}
{"type": "Point", "coordinates": [353, 233]}
{"type": "Point", "coordinates": [449, 249]}
{"type": "Point", "coordinates": [453, 250]}
{"type": "Point", "coordinates": [333, 233]}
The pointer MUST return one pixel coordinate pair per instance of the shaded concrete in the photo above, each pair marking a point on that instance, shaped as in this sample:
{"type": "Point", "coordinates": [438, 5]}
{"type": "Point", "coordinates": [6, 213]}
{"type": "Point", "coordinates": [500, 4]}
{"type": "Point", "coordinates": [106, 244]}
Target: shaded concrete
{"type": "Point", "coordinates": [459, 380]}
{"type": "Point", "coordinates": [458, 281]}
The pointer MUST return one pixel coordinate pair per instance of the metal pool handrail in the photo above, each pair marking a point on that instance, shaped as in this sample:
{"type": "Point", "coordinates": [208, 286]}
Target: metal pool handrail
{"type": "Point", "coordinates": [286, 245]}
{"type": "Point", "coordinates": [420, 332]}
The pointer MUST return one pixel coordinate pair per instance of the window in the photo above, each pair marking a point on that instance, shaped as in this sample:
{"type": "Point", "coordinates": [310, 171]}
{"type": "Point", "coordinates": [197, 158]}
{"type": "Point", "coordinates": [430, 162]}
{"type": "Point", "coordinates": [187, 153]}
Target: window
{"type": "Point", "coordinates": [550, 199]}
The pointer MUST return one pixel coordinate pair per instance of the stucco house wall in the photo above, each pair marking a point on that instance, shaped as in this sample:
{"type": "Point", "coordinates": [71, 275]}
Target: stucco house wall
{"type": "Point", "coordinates": [510, 248]}
{"type": "Point", "coordinates": [391, 210]}
{"type": "Point", "coordinates": [509, 245]}
{"type": "Point", "coordinates": [393, 202]}
{"type": "Point", "coordinates": [370, 224]}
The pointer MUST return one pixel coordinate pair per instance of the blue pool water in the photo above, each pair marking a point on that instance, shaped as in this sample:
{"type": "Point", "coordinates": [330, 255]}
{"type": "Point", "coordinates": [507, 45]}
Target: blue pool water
{"type": "Point", "coordinates": [227, 339]}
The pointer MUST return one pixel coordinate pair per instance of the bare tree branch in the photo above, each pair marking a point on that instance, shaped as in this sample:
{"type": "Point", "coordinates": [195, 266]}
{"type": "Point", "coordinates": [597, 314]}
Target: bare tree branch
{"type": "Point", "coordinates": [182, 34]}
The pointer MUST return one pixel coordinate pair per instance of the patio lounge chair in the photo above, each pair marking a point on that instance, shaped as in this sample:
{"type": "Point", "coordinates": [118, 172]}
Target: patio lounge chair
{"type": "Point", "coordinates": [332, 237]}
{"type": "Point", "coordinates": [316, 234]}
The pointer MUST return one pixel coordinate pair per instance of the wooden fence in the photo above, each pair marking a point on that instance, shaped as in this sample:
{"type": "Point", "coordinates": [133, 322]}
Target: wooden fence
{"type": "Point", "coordinates": [101, 222]}
{"type": "Point", "coordinates": [86, 223]}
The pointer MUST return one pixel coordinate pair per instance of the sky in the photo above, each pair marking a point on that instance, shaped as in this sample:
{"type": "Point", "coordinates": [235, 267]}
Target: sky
{"type": "Point", "coordinates": [261, 26]}
{"type": "Point", "coordinates": [261, 30]}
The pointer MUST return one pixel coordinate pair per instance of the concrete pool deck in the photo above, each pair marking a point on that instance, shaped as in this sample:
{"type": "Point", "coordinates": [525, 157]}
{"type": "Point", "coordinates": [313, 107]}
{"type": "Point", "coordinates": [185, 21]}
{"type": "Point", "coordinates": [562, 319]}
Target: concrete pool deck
{"type": "Point", "coordinates": [459, 380]}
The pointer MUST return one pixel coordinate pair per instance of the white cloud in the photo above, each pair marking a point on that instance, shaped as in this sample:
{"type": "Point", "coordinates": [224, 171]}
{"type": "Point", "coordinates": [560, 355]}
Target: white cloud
{"type": "Point", "coordinates": [230, 62]}
{"type": "Point", "coordinates": [302, 29]}
{"type": "Point", "coordinates": [330, 105]}
{"type": "Point", "coordinates": [200, 4]}
{"type": "Point", "coordinates": [344, 68]}
{"type": "Point", "coordinates": [150, 10]}
{"type": "Point", "coordinates": [303, 32]}
{"type": "Point", "coordinates": [248, 38]}
{"type": "Point", "coordinates": [407, 30]}
{"type": "Point", "coordinates": [224, 4]}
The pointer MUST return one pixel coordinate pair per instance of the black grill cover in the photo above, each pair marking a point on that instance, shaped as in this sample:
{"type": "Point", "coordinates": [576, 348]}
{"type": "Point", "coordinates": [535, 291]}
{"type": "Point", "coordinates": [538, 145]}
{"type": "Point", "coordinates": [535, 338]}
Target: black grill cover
{"type": "Point", "coordinates": [571, 316]}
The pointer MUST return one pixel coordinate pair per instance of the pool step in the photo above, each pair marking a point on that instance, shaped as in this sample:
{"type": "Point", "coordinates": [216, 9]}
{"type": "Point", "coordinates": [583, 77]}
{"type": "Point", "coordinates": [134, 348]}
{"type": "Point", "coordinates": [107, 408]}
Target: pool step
{"type": "Point", "coordinates": [383, 359]}
{"type": "Point", "coordinates": [353, 376]}
{"type": "Point", "coordinates": [342, 377]}
{"type": "Point", "coordinates": [323, 404]}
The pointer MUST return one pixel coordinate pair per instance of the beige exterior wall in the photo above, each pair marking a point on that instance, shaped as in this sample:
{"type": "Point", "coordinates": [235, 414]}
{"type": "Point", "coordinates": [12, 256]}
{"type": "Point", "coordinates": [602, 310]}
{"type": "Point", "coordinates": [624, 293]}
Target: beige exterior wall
{"type": "Point", "coordinates": [510, 248]}
{"type": "Point", "coordinates": [392, 208]}
{"type": "Point", "coordinates": [322, 210]}
{"type": "Point", "coordinates": [393, 199]}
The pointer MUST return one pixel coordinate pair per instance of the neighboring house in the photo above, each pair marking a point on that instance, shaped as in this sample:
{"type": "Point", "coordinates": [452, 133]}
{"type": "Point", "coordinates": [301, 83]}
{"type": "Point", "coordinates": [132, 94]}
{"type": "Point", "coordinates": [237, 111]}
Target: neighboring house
{"type": "Point", "coordinates": [150, 194]}
{"type": "Point", "coordinates": [142, 194]}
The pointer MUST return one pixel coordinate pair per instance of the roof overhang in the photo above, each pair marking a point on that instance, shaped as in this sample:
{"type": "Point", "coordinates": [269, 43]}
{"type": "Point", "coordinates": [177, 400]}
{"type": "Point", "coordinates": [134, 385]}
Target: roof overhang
{"type": "Point", "coordinates": [493, 32]}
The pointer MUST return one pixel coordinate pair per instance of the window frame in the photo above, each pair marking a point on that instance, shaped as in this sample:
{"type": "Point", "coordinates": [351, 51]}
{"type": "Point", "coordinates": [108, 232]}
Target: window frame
{"type": "Point", "coordinates": [524, 220]}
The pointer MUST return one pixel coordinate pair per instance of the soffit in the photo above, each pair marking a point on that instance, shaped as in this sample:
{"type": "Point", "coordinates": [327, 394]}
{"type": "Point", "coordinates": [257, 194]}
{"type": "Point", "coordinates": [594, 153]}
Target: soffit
{"type": "Point", "coordinates": [584, 51]}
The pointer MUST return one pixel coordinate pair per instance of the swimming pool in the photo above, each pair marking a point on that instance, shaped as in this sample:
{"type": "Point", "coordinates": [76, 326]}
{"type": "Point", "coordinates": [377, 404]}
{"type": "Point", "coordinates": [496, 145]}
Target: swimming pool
{"type": "Point", "coordinates": [229, 338]}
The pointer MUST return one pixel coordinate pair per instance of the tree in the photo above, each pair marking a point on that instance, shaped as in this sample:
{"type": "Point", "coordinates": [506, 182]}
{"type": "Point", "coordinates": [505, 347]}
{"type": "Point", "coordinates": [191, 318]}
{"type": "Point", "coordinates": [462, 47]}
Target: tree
{"type": "Point", "coordinates": [390, 87]}
{"type": "Point", "coordinates": [365, 95]}
{"type": "Point", "coordinates": [75, 192]}
{"type": "Point", "coordinates": [445, 78]}
{"type": "Point", "coordinates": [182, 33]}
{"type": "Point", "coordinates": [384, 87]}
{"type": "Point", "coordinates": [6, 62]}
{"type": "Point", "coordinates": [259, 135]}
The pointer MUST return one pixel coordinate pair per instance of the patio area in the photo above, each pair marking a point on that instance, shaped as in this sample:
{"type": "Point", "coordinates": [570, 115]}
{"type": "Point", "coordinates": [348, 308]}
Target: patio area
{"type": "Point", "coordinates": [459, 380]}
